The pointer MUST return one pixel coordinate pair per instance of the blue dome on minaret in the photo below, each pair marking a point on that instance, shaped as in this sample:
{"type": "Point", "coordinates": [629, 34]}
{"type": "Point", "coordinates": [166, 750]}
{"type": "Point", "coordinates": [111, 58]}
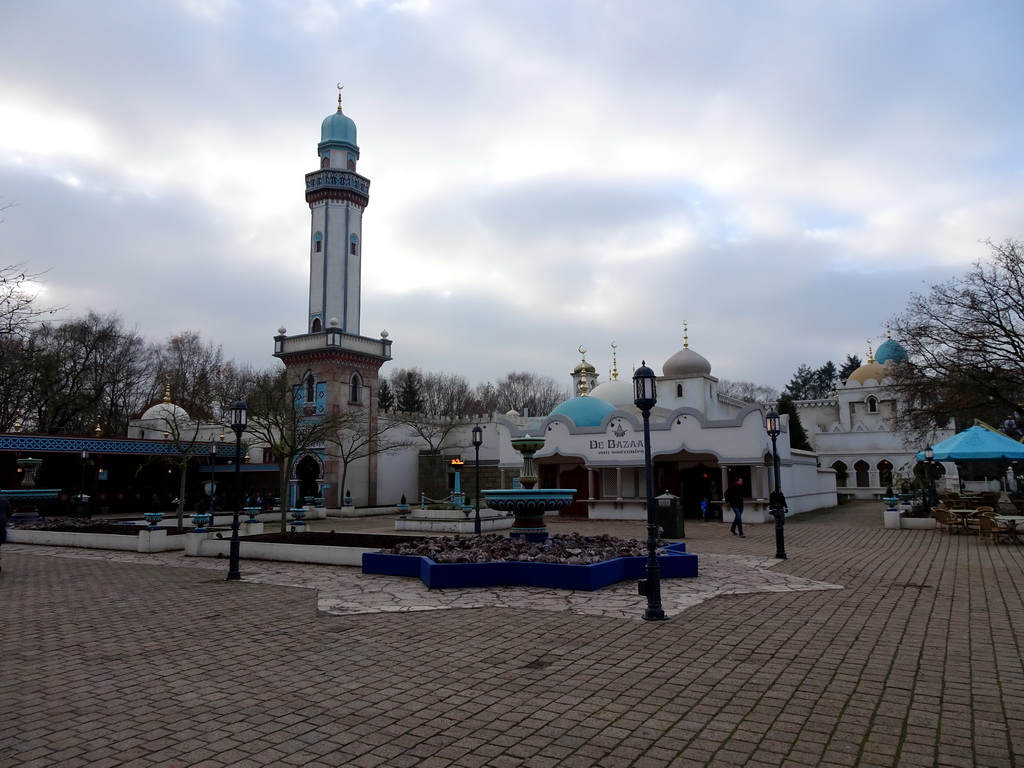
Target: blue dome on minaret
{"type": "Point", "coordinates": [338, 130]}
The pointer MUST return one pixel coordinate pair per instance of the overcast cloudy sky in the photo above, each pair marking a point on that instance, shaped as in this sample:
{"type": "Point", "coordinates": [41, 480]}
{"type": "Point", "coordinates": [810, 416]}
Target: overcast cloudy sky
{"type": "Point", "coordinates": [544, 175]}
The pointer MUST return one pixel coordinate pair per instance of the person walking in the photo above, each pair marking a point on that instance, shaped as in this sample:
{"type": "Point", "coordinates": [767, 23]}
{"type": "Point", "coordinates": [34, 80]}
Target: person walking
{"type": "Point", "coordinates": [734, 498]}
{"type": "Point", "coordinates": [5, 514]}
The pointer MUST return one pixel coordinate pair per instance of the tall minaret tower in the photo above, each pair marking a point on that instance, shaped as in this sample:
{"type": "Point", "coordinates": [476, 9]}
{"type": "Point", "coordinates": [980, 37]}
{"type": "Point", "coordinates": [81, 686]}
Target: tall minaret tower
{"type": "Point", "coordinates": [337, 196]}
{"type": "Point", "coordinates": [333, 369]}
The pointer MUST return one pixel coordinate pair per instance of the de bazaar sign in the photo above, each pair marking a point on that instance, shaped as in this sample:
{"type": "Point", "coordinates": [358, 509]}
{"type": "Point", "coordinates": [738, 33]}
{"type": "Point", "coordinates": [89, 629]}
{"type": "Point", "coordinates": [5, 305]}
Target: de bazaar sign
{"type": "Point", "coordinates": [617, 446]}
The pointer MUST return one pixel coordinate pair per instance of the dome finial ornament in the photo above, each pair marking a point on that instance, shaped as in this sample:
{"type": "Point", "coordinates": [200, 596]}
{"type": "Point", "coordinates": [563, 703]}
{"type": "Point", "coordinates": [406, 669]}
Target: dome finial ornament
{"type": "Point", "coordinates": [686, 337]}
{"type": "Point", "coordinates": [167, 388]}
{"type": "Point", "coordinates": [871, 356]}
{"type": "Point", "coordinates": [340, 86]}
{"type": "Point", "coordinates": [615, 363]}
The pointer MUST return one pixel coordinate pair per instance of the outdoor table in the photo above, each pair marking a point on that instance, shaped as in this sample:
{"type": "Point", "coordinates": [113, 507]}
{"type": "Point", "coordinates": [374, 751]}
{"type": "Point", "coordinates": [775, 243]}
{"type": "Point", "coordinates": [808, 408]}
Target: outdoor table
{"type": "Point", "coordinates": [1011, 524]}
{"type": "Point", "coordinates": [963, 514]}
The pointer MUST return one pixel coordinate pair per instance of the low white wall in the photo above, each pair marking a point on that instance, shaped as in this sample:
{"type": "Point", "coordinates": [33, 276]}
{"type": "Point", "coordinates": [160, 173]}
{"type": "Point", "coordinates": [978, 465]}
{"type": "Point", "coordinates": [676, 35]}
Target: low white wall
{"type": "Point", "coordinates": [200, 546]}
{"type": "Point", "coordinates": [144, 541]}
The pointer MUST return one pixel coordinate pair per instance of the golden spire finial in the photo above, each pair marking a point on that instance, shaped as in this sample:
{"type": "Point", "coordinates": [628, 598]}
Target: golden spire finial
{"type": "Point", "coordinates": [583, 370]}
{"type": "Point", "coordinates": [340, 86]}
{"type": "Point", "coordinates": [167, 388]}
{"type": "Point", "coordinates": [686, 337]}
{"type": "Point", "coordinates": [583, 384]}
{"type": "Point", "coordinates": [615, 363]}
{"type": "Point", "coordinates": [871, 355]}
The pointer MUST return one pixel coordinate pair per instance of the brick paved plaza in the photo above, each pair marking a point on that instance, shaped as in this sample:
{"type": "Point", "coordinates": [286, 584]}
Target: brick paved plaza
{"type": "Point", "coordinates": [916, 660]}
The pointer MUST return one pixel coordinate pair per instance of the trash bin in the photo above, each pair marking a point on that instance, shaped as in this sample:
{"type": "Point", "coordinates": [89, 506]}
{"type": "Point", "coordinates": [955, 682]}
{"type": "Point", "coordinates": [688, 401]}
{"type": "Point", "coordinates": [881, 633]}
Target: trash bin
{"type": "Point", "coordinates": [669, 516]}
{"type": "Point", "coordinates": [80, 505]}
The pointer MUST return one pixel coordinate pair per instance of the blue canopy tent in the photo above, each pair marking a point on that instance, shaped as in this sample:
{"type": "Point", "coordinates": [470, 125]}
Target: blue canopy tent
{"type": "Point", "coordinates": [977, 444]}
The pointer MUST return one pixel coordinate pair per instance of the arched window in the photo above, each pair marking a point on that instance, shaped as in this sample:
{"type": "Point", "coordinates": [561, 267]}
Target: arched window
{"type": "Point", "coordinates": [861, 471]}
{"type": "Point", "coordinates": [679, 390]}
{"type": "Point", "coordinates": [318, 242]}
{"type": "Point", "coordinates": [351, 165]}
{"type": "Point", "coordinates": [355, 388]}
{"type": "Point", "coordinates": [325, 160]}
{"type": "Point", "coordinates": [884, 472]}
{"type": "Point", "coordinates": [317, 326]}
{"type": "Point", "coordinates": [873, 405]}
{"type": "Point", "coordinates": [353, 245]}
{"type": "Point", "coordinates": [310, 388]}
{"type": "Point", "coordinates": [841, 473]}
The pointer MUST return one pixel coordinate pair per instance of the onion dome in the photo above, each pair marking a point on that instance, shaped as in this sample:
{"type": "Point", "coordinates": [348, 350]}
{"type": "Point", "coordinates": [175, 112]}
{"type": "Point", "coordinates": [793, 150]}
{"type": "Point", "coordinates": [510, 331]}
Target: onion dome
{"type": "Point", "coordinates": [618, 393]}
{"type": "Point", "coordinates": [584, 411]}
{"type": "Point", "coordinates": [166, 411]}
{"type": "Point", "coordinates": [871, 370]}
{"type": "Point", "coordinates": [891, 351]}
{"type": "Point", "coordinates": [338, 129]}
{"type": "Point", "coordinates": [686, 362]}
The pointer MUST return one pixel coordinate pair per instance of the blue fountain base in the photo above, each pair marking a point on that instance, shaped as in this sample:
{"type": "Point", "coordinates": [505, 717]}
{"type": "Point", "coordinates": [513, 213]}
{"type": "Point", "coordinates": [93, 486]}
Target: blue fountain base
{"type": "Point", "coordinates": [676, 563]}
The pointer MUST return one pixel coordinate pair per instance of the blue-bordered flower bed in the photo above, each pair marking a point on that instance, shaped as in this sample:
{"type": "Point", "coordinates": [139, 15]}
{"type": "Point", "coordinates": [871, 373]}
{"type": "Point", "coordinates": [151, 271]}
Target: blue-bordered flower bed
{"type": "Point", "coordinates": [675, 563]}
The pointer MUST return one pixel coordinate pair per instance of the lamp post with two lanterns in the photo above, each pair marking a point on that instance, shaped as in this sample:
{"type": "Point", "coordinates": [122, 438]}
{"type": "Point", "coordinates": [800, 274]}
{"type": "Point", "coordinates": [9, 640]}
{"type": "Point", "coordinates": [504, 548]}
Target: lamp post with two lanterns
{"type": "Point", "coordinates": [645, 397]}
{"type": "Point", "coordinates": [239, 417]}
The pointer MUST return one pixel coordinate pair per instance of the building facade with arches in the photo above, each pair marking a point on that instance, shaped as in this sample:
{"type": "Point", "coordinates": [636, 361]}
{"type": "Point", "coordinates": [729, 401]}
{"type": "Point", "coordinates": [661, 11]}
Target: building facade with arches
{"type": "Point", "coordinates": [852, 431]}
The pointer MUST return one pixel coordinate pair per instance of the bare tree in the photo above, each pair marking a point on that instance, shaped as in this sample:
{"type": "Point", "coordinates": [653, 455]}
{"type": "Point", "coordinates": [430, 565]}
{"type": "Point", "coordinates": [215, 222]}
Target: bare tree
{"type": "Point", "coordinates": [748, 391]}
{"type": "Point", "coordinates": [522, 391]}
{"type": "Point", "coordinates": [965, 342]}
{"type": "Point", "coordinates": [280, 419]}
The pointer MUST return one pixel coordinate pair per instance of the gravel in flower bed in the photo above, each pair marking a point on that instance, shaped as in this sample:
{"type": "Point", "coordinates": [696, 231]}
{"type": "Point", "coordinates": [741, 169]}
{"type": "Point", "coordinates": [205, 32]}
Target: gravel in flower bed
{"type": "Point", "coordinates": [81, 525]}
{"type": "Point", "coordinates": [567, 549]}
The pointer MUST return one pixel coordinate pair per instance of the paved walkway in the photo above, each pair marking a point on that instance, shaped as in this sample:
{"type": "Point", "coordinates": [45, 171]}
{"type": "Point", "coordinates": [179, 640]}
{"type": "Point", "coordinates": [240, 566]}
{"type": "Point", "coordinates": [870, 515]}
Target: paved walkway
{"type": "Point", "coordinates": [867, 647]}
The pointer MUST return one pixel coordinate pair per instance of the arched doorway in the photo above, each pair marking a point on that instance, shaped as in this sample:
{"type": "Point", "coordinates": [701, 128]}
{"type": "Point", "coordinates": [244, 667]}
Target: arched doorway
{"type": "Point", "coordinates": [307, 472]}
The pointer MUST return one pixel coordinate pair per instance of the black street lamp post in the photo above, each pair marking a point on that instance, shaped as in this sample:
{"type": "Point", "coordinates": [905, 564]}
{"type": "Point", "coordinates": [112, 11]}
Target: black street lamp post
{"type": "Point", "coordinates": [239, 414]}
{"type": "Point", "coordinates": [929, 454]}
{"type": "Point", "coordinates": [777, 502]}
{"type": "Point", "coordinates": [478, 440]}
{"type": "Point", "coordinates": [80, 512]}
{"type": "Point", "coordinates": [213, 481]}
{"type": "Point", "coordinates": [645, 396]}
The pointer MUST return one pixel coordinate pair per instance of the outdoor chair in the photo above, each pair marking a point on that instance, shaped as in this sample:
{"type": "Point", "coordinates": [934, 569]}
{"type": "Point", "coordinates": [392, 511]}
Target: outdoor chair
{"type": "Point", "coordinates": [942, 520]}
{"type": "Point", "coordinates": [988, 528]}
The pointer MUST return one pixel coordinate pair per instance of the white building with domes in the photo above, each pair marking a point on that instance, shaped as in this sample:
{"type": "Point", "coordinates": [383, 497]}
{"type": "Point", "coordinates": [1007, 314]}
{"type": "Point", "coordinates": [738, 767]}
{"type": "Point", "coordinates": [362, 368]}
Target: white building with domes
{"type": "Point", "coordinates": [852, 431]}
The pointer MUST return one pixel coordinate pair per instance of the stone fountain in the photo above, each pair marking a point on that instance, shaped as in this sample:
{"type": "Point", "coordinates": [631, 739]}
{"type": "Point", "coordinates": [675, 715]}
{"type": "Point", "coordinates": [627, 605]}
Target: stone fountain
{"type": "Point", "coordinates": [529, 504]}
{"type": "Point", "coordinates": [26, 499]}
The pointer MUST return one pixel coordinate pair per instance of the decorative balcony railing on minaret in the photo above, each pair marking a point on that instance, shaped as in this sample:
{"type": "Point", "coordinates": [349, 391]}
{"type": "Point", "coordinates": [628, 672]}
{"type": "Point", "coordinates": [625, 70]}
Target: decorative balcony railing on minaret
{"type": "Point", "coordinates": [332, 339]}
{"type": "Point", "coordinates": [335, 184]}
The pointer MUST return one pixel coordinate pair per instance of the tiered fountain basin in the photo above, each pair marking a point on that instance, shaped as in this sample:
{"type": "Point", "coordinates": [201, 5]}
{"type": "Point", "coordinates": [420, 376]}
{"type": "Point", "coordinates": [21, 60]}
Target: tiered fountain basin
{"type": "Point", "coordinates": [675, 563]}
{"type": "Point", "coordinates": [529, 505]}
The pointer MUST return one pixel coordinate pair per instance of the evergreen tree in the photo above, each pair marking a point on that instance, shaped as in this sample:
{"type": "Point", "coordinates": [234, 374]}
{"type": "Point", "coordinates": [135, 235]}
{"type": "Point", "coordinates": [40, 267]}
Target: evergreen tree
{"type": "Point", "coordinates": [385, 397]}
{"type": "Point", "coordinates": [825, 380]}
{"type": "Point", "coordinates": [408, 390]}
{"type": "Point", "coordinates": [852, 363]}
{"type": "Point", "coordinates": [802, 383]}
{"type": "Point", "coordinates": [797, 433]}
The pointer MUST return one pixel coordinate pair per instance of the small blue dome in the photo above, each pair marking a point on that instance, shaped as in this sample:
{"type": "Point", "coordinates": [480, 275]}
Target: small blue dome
{"type": "Point", "coordinates": [584, 411]}
{"type": "Point", "coordinates": [338, 129]}
{"type": "Point", "coordinates": [891, 351]}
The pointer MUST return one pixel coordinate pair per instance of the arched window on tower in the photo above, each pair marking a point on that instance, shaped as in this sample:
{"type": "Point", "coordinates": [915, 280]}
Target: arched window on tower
{"type": "Point", "coordinates": [679, 390]}
{"type": "Point", "coordinates": [316, 326]}
{"type": "Point", "coordinates": [355, 388]}
{"type": "Point", "coordinates": [310, 388]}
{"type": "Point", "coordinates": [325, 161]}
{"type": "Point", "coordinates": [353, 244]}
{"type": "Point", "coordinates": [351, 165]}
{"type": "Point", "coordinates": [318, 242]}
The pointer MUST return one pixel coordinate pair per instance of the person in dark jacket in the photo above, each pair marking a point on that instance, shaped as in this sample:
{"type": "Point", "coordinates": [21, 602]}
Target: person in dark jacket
{"type": "Point", "coordinates": [734, 498]}
{"type": "Point", "coordinates": [5, 515]}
